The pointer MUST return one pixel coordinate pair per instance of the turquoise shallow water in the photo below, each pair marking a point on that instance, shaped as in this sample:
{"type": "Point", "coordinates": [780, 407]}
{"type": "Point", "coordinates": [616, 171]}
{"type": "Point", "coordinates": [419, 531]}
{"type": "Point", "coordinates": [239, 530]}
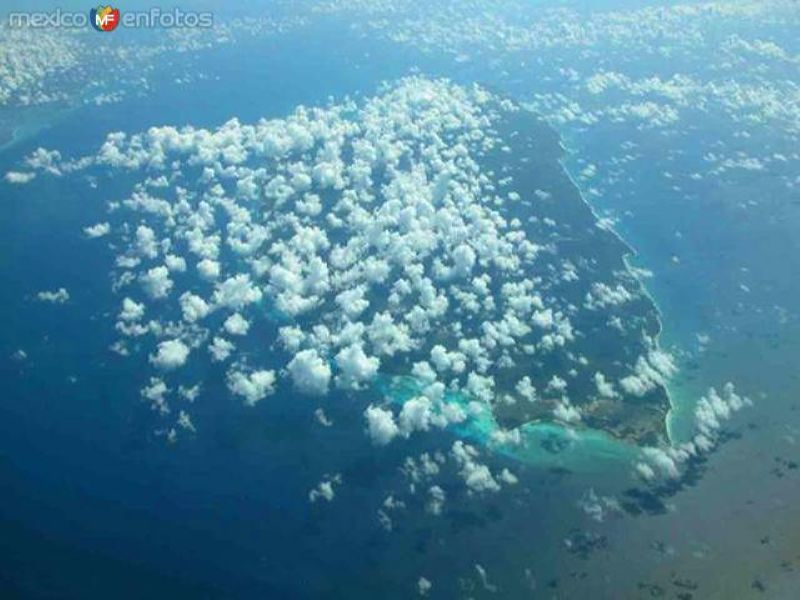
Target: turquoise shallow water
{"type": "Point", "coordinates": [583, 451]}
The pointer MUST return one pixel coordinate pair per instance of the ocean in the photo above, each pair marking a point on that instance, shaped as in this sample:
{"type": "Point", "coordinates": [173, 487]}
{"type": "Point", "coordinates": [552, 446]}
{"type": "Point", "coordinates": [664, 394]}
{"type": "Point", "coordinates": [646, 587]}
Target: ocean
{"type": "Point", "coordinates": [96, 502]}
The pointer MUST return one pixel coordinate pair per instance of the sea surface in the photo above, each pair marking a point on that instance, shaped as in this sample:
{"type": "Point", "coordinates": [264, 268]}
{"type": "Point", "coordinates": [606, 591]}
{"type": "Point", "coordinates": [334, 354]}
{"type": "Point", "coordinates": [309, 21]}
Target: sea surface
{"type": "Point", "coordinates": [94, 501]}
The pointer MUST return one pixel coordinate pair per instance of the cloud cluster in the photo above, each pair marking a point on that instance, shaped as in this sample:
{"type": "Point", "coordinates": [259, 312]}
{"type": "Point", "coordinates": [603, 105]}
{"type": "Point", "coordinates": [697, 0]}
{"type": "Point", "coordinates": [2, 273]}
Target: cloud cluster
{"type": "Point", "coordinates": [47, 65]}
{"type": "Point", "coordinates": [710, 415]}
{"type": "Point", "coordinates": [28, 59]}
{"type": "Point", "coordinates": [477, 476]}
{"type": "Point", "coordinates": [388, 237]}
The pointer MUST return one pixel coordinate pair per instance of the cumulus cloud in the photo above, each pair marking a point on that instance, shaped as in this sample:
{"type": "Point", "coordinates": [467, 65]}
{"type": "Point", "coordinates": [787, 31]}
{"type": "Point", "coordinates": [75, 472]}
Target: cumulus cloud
{"type": "Point", "coordinates": [604, 387]}
{"type": "Point", "coordinates": [322, 418]}
{"type": "Point", "coordinates": [98, 230]}
{"type": "Point", "coordinates": [155, 392]}
{"type": "Point", "coordinates": [355, 367]}
{"type": "Point", "coordinates": [185, 422]}
{"type": "Point", "coordinates": [566, 412]}
{"type": "Point", "coordinates": [18, 177]}
{"type": "Point", "coordinates": [711, 412]}
{"type": "Point", "coordinates": [603, 296]}
{"type": "Point", "coordinates": [253, 386]}
{"type": "Point", "coordinates": [156, 282]}
{"type": "Point", "coordinates": [381, 425]}
{"type": "Point", "coordinates": [194, 308]}
{"type": "Point", "coordinates": [131, 310]}
{"type": "Point", "coordinates": [325, 489]}
{"type": "Point", "coordinates": [526, 389]}
{"type": "Point", "coordinates": [220, 349]}
{"type": "Point", "coordinates": [310, 373]}
{"type": "Point", "coordinates": [436, 500]}
{"type": "Point", "coordinates": [236, 324]}
{"type": "Point", "coordinates": [59, 296]}
{"type": "Point", "coordinates": [208, 269]}
{"type": "Point", "coordinates": [650, 371]}
{"type": "Point", "coordinates": [146, 242]}
{"type": "Point", "coordinates": [170, 354]}
{"type": "Point", "coordinates": [416, 415]}
{"type": "Point", "coordinates": [237, 292]}
{"type": "Point", "coordinates": [424, 586]}
{"type": "Point", "coordinates": [476, 476]}
{"type": "Point", "coordinates": [175, 263]}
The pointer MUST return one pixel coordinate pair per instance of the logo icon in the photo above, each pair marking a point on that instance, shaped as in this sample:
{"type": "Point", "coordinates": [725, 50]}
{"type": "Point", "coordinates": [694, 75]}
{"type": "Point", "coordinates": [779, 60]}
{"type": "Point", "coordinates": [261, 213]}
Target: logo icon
{"type": "Point", "coordinates": [104, 18]}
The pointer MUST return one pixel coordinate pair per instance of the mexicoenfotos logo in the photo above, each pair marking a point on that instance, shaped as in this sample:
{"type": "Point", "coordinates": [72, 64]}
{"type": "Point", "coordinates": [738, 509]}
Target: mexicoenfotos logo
{"type": "Point", "coordinates": [108, 18]}
{"type": "Point", "coordinates": [104, 18]}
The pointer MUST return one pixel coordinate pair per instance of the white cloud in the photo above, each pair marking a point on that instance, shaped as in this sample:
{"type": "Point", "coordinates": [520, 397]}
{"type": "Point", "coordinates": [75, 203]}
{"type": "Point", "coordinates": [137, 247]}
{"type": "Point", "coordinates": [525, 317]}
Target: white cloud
{"type": "Point", "coordinates": [322, 418]}
{"type": "Point", "coordinates": [416, 415]}
{"type": "Point", "coordinates": [481, 386]}
{"type": "Point", "coordinates": [237, 292]}
{"type": "Point", "coordinates": [194, 307]}
{"type": "Point", "coordinates": [156, 282]}
{"type": "Point", "coordinates": [185, 422]}
{"type": "Point", "coordinates": [190, 394]}
{"type": "Point", "coordinates": [220, 349]}
{"type": "Point", "coordinates": [556, 385]}
{"type": "Point", "coordinates": [436, 500]}
{"type": "Point", "coordinates": [60, 296]}
{"type": "Point", "coordinates": [170, 354]}
{"type": "Point", "coordinates": [310, 373]}
{"type": "Point", "coordinates": [236, 324]}
{"type": "Point", "coordinates": [526, 389]}
{"type": "Point", "coordinates": [603, 296]}
{"type": "Point", "coordinates": [253, 387]}
{"type": "Point", "coordinates": [131, 311]}
{"type": "Point", "coordinates": [19, 178]}
{"type": "Point", "coordinates": [146, 242]}
{"type": "Point", "coordinates": [508, 477]}
{"type": "Point", "coordinates": [424, 586]}
{"type": "Point", "coordinates": [352, 302]}
{"type": "Point", "coordinates": [424, 372]}
{"type": "Point", "coordinates": [566, 412]}
{"type": "Point", "coordinates": [156, 392]}
{"type": "Point", "coordinates": [208, 269]}
{"type": "Point", "coordinates": [714, 409]}
{"type": "Point", "coordinates": [175, 263]}
{"type": "Point", "coordinates": [325, 489]}
{"type": "Point", "coordinates": [477, 477]}
{"type": "Point", "coordinates": [446, 361]}
{"type": "Point", "coordinates": [381, 426]}
{"type": "Point", "coordinates": [711, 412]}
{"type": "Point", "coordinates": [604, 387]}
{"type": "Point", "coordinates": [98, 230]}
{"type": "Point", "coordinates": [649, 372]}
{"type": "Point", "coordinates": [355, 367]}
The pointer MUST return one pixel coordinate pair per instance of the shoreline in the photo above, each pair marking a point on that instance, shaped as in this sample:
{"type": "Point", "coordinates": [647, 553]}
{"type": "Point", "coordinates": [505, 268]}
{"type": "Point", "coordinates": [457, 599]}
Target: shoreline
{"type": "Point", "coordinates": [587, 450]}
{"type": "Point", "coordinates": [631, 252]}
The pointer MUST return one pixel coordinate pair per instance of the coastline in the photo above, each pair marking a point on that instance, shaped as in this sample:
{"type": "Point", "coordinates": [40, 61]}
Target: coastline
{"type": "Point", "coordinates": [581, 450]}
{"type": "Point", "coordinates": [631, 252]}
